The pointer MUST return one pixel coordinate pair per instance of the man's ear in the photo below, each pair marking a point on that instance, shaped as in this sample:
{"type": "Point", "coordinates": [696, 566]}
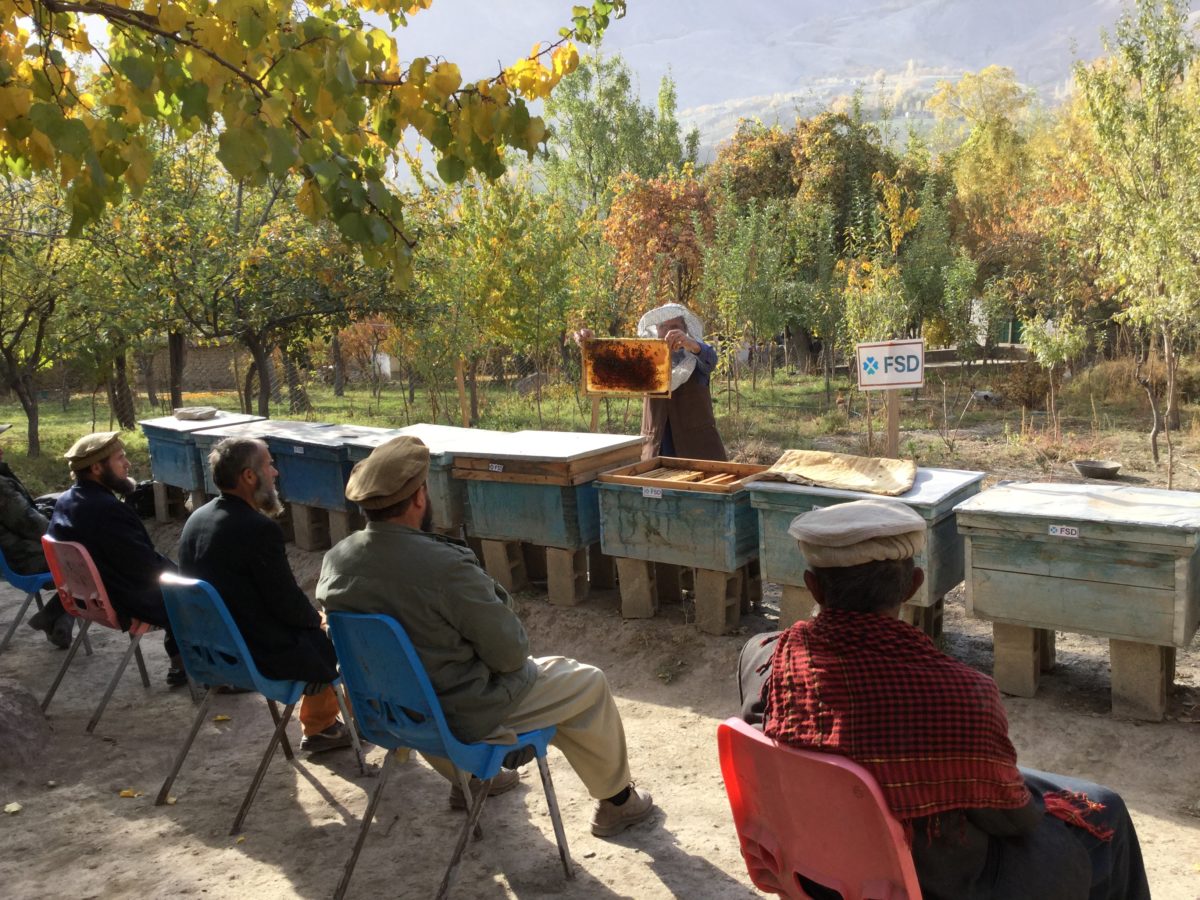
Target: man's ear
{"type": "Point", "coordinates": [814, 587]}
{"type": "Point", "coordinates": [918, 579]}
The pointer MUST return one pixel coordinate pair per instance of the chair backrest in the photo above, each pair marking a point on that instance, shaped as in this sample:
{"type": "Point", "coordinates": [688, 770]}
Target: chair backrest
{"type": "Point", "coordinates": [210, 643]}
{"type": "Point", "coordinates": [27, 583]}
{"type": "Point", "coordinates": [394, 701]}
{"type": "Point", "coordinates": [816, 816]}
{"type": "Point", "coordinates": [79, 586]}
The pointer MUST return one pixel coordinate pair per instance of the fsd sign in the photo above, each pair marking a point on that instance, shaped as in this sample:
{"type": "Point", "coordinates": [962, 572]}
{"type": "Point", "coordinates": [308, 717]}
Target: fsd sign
{"type": "Point", "coordinates": [891, 364]}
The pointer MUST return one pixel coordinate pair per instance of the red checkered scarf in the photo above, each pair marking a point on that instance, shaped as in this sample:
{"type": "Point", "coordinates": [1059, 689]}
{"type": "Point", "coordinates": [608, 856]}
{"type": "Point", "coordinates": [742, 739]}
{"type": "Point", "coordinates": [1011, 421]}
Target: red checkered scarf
{"type": "Point", "coordinates": [931, 730]}
{"type": "Point", "coordinates": [876, 690]}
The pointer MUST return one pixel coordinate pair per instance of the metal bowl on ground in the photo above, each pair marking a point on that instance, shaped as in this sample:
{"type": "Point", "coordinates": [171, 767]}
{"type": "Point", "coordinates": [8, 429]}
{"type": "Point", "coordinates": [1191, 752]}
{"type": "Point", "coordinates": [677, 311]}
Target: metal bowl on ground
{"type": "Point", "coordinates": [1097, 468]}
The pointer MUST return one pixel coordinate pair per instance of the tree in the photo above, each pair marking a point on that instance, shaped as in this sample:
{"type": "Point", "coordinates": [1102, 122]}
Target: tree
{"type": "Point", "coordinates": [755, 164]}
{"type": "Point", "coordinates": [1146, 186]}
{"type": "Point", "coordinates": [304, 90]}
{"type": "Point", "coordinates": [601, 130]}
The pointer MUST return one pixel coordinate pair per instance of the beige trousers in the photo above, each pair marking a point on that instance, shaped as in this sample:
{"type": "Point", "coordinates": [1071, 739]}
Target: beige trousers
{"type": "Point", "coordinates": [575, 698]}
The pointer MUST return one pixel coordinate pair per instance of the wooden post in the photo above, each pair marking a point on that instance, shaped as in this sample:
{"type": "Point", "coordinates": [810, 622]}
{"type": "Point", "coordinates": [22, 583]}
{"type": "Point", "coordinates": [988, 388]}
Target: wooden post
{"type": "Point", "coordinates": [463, 405]}
{"type": "Point", "coordinates": [893, 424]}
{"type": "Point", "coordinates": [639, 593]}
{"type": "Point", "coordinates": [595, 414]}
{"type": "Point", "coordinates": [1017, 661]}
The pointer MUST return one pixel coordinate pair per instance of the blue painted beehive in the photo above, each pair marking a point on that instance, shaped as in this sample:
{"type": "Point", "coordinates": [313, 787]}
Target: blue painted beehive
{"type": "Point", "coordinates": [648, 512]}
{"type": "Point", "coordinates": [933, 496]}
{"type": "Point", "coordinates": [536, 486]}
{"type": "Point", "coordinates": [174, 458]}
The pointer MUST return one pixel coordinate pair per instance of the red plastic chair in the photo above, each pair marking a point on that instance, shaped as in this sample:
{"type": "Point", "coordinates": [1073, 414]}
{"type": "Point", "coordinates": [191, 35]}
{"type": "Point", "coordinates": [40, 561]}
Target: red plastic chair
{"type": "Point", "coordinates": [812, 815]}
{"type": "Point", "coordinates": [82, 594]}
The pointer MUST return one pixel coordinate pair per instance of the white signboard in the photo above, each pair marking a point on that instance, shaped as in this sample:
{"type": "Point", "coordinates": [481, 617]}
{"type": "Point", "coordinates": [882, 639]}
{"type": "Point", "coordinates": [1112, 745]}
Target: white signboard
{"type": "Point", "coordinates": [890, 364]}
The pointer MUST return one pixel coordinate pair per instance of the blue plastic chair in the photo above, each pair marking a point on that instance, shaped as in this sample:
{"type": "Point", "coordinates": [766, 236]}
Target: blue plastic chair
{"type": "Point", "coordinates": [397, 707]}
{"type": "Point", "coordinates": [214, 655]}
{"type": "Point", "coordinates": [32, 585]}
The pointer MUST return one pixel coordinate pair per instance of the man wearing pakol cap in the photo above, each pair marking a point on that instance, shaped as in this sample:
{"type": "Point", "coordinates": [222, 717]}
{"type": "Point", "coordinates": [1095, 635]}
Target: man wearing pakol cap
{"type": "Point", "coordinates": [90, 514]}
{"type": "Point", "coordinates": [234, 544]}
{"type": "Point", "coordinates": [21, 528]}
{"type": "Point", "coordinates": [859, 682]}
{"type": "Point", "coordinates": [683, 424]}
{"type": "Point", "coordinates": [468, 637]}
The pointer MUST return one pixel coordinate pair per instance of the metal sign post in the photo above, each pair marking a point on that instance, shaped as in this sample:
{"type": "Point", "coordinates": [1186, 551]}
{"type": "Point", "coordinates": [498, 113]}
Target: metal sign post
{"type": "Point", "coordinates": [891, 366]}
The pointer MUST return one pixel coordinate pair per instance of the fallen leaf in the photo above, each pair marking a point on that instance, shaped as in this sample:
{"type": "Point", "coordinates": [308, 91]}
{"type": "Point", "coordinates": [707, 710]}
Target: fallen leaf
{"type": "Point", "coordinates": [130, 793]}
{"type": "Point", "coordinates": [242, 839]}
{"type": "Point", "coordinates": [221, 718]}
{"type": "Point", "coordinates": [13, 808]}
{"type": "Point", "coordinates": [171, 801]}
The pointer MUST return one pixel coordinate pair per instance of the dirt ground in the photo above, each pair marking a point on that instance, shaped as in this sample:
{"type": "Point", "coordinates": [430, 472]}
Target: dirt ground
{"type": "Point", "coordinates": [77, 836]}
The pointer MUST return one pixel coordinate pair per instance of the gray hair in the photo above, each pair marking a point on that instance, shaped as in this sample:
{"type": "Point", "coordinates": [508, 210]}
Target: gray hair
{"type": "Point", "coordinates": [230, 458]}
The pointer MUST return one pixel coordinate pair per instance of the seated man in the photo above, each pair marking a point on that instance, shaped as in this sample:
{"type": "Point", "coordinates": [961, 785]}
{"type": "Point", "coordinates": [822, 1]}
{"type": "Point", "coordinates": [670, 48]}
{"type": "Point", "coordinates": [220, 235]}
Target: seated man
{"type": "Point", "coordinates": [21, 530]}
{"type": "Point", "coordinates": [90, 514]}
{"type": "Point", "coordinates": [858, 682]}
{"type": "Point", "coordinates": [231, 543]}
{"type": "Point", "coordinates": [469, 639]}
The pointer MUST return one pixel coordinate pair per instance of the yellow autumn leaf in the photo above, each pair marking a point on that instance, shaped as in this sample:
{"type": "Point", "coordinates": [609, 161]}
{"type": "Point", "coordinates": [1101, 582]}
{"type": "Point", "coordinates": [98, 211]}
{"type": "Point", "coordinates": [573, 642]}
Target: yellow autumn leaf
{"type": "Point", "coordinates": [172, 17]}
{"type": "Point", "coordinates": [130, 793]}
{"type": "Point", "coordinates": [221, 718]}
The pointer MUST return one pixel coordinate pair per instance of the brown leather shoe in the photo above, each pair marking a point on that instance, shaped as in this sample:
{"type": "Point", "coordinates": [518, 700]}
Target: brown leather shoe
{"type": "Point", "coordinates": [610, 819]}
{"type": "Point", "coordinates": [505, 781]}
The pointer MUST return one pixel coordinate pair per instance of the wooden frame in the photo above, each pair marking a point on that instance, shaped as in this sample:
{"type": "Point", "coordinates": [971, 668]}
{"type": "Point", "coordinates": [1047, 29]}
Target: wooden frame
{"type": "Point", "coordinates": [653, 350]}
{"type": "Point", "coordinates": [568, 473]}
{"type": "Point", "coordinates": [640, 474]}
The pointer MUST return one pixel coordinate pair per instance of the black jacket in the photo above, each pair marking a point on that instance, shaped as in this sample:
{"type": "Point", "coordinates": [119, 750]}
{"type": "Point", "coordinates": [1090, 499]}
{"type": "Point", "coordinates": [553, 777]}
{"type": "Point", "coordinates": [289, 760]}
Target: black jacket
{"type": "Point", "coordinates": [241, 553]}
{"type": "Point", "coordinates": [90, 514]}
{"type": "Point", "coordinates": [21, 525]}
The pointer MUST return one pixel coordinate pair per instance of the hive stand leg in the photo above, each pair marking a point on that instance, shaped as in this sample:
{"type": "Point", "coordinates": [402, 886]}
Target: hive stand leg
{"type": "Point", "coordinates": [1046, 655]}
{"type": "Point", "coordinates": [536, 568]}
{"type": "Point", "coordinates": [566, 575]}
{"type": "Point", "coordinates": [284, 521]}
{"type": "Point", "coordinates": [751, 586]}
{"type": "Point", "coordinates": [602, 570]}
{"type": "Point", "coordinates": [343, 523]}
{"type": "Point", "coordinates": [476, 546]}
{"type": "Point", "coordinates": [639, 595]}
{"type": "Point", "coordinates": [1141, 674]}
{"type": "Point", "coordinates": [1017, 663]}
{"type": "Point", "coordinates": [311, 526]}
{"type": "Point", "coordinates": [505, 562]}
{"type": "Point", "coordinates": [162, 502]}
{"type": "Point", "coordinates": [196, 499]}
{"type": "Point", "coordinates": [928, 618]}
{"type": "Point", "coordinates": [795, 604]}
{"type": "Point", "coordinates": [718, 600]}
{"type": "Point", "coordinates": [669, 582]}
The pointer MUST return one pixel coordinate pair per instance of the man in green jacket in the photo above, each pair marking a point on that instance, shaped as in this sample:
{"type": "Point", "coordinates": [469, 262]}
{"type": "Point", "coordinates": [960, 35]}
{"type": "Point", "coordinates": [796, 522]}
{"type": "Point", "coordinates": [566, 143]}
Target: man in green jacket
{"type": "Point", "coordinates": [468, 637]}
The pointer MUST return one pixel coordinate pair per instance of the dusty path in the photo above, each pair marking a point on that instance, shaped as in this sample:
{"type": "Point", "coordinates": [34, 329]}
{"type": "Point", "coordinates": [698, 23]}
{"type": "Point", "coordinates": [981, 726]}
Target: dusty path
{"type": "Point", "coordinates": [674, 685]}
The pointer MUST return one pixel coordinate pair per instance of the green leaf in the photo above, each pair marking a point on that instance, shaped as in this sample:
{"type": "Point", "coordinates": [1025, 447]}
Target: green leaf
{"type": "Point", "coordinates": [138, 69]}
{"type": "Point", "coordinates": [355, 227]}
{"type": "Point", "coordinates": [193, 99]}
{"type": "Point", "coordinates": [282, 146]}
{"type": "Point", "coordinates": [451, 169]}
{"type": "Point", "coordinates": [241, 152]}
{"type": "Point", "coordinates": [251, 28]}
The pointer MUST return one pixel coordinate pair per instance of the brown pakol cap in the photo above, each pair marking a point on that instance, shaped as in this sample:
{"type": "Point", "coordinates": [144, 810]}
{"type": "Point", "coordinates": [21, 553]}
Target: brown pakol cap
{"type": "Point", "coordinates": [392, 473]}
{"type": "Point", "coordinates": [850, 534]}
{"type": "Point", "coordinates": [93, 448]}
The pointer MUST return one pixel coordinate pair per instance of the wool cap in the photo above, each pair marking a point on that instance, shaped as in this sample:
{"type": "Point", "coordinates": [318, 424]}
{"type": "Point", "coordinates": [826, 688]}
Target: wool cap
{"type": "Point", "coordinates": [392, 473]}
{"type": "Point", "coordinates": [93, 448]}
{"type": "Point", "coordinates": [850, 534]}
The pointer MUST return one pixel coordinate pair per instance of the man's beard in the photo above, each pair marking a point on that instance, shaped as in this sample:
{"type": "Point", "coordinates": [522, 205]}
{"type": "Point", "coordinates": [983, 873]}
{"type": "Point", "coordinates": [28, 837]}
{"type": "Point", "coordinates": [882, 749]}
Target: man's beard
{"type": "Point", "coordinates": [123, 485]}
{"type": "Point", "coordinates": [427, 518]}
{"type": "Point", "coordinates": [266, 498]}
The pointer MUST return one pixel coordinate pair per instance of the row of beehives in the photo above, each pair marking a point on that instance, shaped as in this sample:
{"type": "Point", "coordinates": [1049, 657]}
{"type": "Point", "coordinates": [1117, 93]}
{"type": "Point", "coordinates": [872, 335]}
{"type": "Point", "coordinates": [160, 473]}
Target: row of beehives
{"type": "Point", "coordinates": [1109, 560]}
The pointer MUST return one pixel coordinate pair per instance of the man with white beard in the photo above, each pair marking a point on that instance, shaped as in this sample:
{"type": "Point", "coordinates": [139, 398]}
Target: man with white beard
{"type": "Point", "coordinates": [113, 534]}
{"type": "Point", "coordinates": [234, 544]}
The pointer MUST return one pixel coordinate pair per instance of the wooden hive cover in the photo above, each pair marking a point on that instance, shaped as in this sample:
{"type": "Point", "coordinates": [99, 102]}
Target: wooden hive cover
{"type": "Point", "coordinates": [623, 367]}
{"type": "Point", "coordinates": [675, 474]}
{"type": "Point", "coordinates": [547, 457]}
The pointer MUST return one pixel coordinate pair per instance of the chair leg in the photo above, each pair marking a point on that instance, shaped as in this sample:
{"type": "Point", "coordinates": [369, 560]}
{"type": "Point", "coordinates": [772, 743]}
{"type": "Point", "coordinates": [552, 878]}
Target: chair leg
{"type": "Point", "coordinates": [366, 824]}
{"type": "Point", "coordinates": [66, 662]}
{"type": "Point", "coordinates": [141, 664]}
{"type": "Point", "coordinates": [262, 768]}
{"type": "Point", "coordinates": [187, 745]}
{"type": "Point", "coordinates": [87, 646]}
{"type": "Point", "coordinates": [472, 821]}
{"type": "Point", "coordinates": [112, 684]}
{"type": "Point", "coordinates": [464, 785]}
{"type": "Point", "coordinates": [284, 742]}
{"type": "Point", "coordinates": [344, 706]}
{"type": "Point", "coordinates": [564, 852]}
{"type": "Point", "coordinates": [17, 621]}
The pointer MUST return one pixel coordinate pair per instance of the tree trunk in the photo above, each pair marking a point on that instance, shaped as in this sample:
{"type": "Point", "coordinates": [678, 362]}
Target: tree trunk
{"type": "Point", "coordinates": [124, 405]}
{"type": "Point", "coordinates": [1171, 359]}
{"type": "Point", "coordinates": [176, 353]}
{"type": "Point", "coordinates": [23, 387]}
{"type": "Point", "coordinates": [1148, 386]}
{"type": "Point", "coordinates": [339, 367]}
{"type": "Point", "coordinates": [145, 363]}
{"type": "Point", "coordinates": [298, 401]}
{"type": "Point", "coordinates": [262, 367]}
{"type": "Point", "coordinates": [473, 390]}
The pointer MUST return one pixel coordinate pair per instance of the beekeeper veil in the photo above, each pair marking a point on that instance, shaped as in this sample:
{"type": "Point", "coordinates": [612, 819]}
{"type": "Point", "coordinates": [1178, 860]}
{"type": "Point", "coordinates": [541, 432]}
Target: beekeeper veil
{"type": "Point", "coordinates": [683, 362]}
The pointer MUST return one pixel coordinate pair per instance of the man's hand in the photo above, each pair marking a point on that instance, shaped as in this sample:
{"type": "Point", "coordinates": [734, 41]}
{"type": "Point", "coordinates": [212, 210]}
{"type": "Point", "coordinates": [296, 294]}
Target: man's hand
{"type": "Point", "coordinates": [583, 334]}
{"type": "Point", "coordinates": [678, 339]}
